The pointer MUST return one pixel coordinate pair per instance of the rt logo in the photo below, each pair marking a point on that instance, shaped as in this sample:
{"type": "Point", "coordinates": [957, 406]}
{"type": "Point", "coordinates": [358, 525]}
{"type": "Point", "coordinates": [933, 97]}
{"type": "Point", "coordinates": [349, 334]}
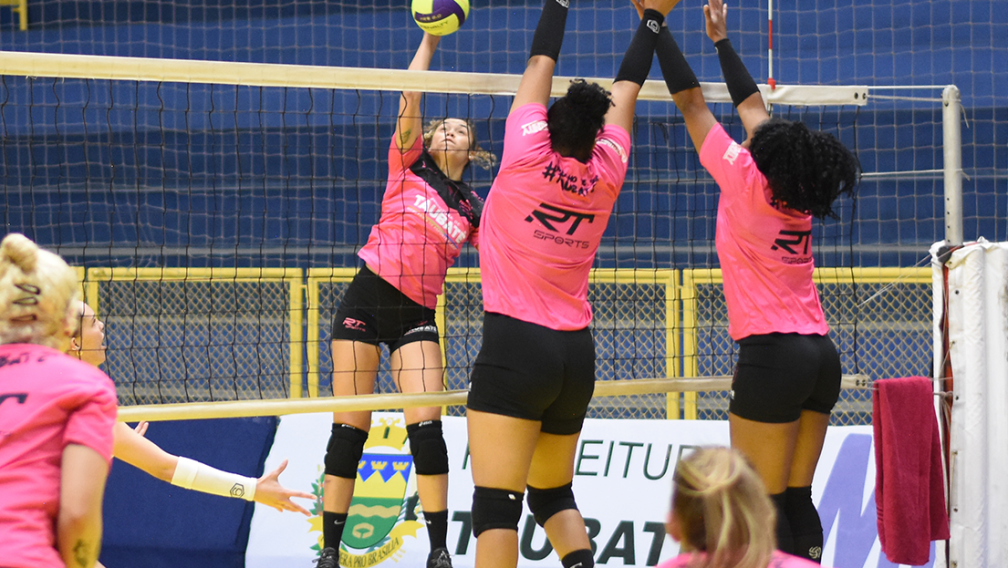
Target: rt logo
{"type": "Point", "coordinates": [551, 217]}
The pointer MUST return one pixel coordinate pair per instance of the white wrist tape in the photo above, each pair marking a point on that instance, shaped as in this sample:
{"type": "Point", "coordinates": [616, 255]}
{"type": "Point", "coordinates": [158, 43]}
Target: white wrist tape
{"type": "Point", "coordinates": [191, 474]}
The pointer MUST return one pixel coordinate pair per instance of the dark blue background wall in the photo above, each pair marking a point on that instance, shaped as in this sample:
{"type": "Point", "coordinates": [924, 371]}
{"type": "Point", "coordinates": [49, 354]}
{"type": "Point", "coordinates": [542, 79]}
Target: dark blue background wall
{"type": "Point", "coordinates": [190, 175]}
{"type": "Point", "coordinates": [296, 176]}
{"type": "Point", "coordinates": [152, 524]}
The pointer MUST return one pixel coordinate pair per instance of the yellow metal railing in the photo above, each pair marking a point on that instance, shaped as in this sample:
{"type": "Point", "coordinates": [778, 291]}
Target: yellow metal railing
{"type": "Point", "coordinates": [19, 7]}
{"type": "Point", "coordinates": [290, 277]}
{"type": "Point", "coordinates": [883, 277]}
{"type": "Point", "coordinates": [878, 305]}
{"type": "Point", "coordinates": [669, 280]}
{"type": "Point", "coordinates": [317, 276]}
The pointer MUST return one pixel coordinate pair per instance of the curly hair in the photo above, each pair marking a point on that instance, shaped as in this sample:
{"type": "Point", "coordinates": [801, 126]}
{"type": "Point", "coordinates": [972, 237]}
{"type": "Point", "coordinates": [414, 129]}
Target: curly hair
{"type": "Point", "coordinates": [807, 170]}
{"type": "Point", "coordinates": [575, 119]}
{"type": "Point", "coordinates": [37, 290]}
{"type": "Point", "coordinates": [723, 509]}
{"type": "Point", "coordinates": [482, 158]}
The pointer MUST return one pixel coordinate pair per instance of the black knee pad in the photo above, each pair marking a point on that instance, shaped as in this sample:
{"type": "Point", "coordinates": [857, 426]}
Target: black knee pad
{"type": "Point", "coordinates": [430, 454]}
{"type": "Point", "coordinates": [344, 452]}
{"type": "Point", "coordinates": [544, 503]}
{"type": "Point", "coordinates": [806, 527]}
{"type": "Point", "coordinates": [581, 558]}
{"type": "Point", "coordinates": [785, 541]}
{"type": "Point", "coordinates": [495, 509]}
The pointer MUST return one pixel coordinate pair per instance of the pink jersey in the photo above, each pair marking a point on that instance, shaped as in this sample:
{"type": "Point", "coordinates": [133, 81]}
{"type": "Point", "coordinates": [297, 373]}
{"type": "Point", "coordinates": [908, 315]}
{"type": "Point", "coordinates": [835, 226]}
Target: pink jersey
{"type": "Point", "coordinates": [544, 220]}
{"type": "Point", "coordinates": [48, 400]}
{"type": "Point", "coordinates": [778, 560]}
{"type": "Point", "coordinates": [765, 252]}
{"type": "Point", "coordinates": [426, 218]}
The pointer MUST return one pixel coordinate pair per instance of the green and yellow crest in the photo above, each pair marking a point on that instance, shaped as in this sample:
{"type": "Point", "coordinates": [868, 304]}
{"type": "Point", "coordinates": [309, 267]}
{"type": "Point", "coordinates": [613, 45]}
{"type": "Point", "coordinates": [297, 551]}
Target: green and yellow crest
{"type": "Point", "coordinates": [376, 521]}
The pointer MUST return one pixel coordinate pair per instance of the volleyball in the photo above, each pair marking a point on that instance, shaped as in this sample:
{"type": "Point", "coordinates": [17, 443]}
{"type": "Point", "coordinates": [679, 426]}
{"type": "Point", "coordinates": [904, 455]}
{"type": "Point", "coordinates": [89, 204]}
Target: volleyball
{"type": "Point", "coordinates": [440, 17]}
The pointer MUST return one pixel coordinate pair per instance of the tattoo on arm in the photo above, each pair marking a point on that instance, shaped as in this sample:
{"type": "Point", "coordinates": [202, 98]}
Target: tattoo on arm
{"type": "Point", "coordinates": [405, 135]}
{"type": "Point", "coordinates": [82, 553]}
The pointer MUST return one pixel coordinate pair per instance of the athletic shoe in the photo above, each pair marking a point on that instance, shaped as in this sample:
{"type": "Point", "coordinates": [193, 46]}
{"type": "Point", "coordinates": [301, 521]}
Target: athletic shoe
{"type": "Point", "coordinates": [329, 559]}
{"type": "Point", "coordinates": [439, 558]}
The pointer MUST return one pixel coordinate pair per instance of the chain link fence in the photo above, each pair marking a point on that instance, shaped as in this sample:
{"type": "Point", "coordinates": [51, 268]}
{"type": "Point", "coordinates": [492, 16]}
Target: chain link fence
{"type": "Point", "coordinates": [179, 335]}
{"type": "Point", "coordinates": [880, 320]}
{"type": "Point", "coordinates": [193, 336]}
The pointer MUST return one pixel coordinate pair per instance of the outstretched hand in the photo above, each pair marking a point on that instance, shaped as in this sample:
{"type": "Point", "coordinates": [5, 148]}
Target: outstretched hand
{"type": "Point", "coordinates": [270, 492]}
{"type": "Point", "coordinates": [716, 12]}
{"type": "Point", "coordinates": [663, 6]}
{"type": "Point", "coordinates": [141, 427]}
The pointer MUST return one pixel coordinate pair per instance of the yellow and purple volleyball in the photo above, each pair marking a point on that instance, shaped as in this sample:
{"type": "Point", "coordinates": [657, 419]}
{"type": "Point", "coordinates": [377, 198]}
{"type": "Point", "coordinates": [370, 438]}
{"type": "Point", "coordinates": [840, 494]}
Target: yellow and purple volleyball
{"type": "Point", "coordinates": [440, 17]}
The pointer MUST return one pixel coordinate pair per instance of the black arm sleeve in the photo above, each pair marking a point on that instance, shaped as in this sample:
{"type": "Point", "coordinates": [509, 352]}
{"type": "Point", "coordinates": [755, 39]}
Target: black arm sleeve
{"type": "Point", "coordinates": [549, 33]}
{"type": "Point", "coordinates": [637, 60]}
{"type": "Point", "coordinates": [740, 83]}
{"type": "Point", "coordinates": [676, 71]}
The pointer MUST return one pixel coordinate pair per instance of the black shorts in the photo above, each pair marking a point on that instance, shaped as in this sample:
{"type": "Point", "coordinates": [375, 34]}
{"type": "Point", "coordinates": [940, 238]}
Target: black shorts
{"type": "Point", "coordinates": [373, 311]}
{"type": "Point", "coordinates": [529, 371]}
{"type": "Point", "coordinates": [781, 374]}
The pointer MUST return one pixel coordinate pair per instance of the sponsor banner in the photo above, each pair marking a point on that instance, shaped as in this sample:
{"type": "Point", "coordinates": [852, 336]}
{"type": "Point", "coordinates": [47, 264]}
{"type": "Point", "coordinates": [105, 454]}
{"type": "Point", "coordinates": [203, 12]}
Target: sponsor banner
{"type": "Point", "coordinates": [622, 481]}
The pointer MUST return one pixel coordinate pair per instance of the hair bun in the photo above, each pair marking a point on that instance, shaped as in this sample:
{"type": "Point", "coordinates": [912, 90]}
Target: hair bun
{"type": "Point", "coordinates": [36, 287]}
{"type": "Point", "coordinates": [588, 98]}
{"type": "Point", "coordinates": [19, 250]}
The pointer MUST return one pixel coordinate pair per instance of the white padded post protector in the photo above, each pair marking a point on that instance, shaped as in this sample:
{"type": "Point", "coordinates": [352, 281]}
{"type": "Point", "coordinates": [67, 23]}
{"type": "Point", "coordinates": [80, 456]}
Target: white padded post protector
{"type": "Point", "coordinates": [978, 346]}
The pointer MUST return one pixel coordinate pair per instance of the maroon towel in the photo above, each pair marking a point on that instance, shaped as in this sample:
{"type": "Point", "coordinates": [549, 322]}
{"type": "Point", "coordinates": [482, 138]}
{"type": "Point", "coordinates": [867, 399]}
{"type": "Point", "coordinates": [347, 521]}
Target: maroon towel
{"type": "Point", "coordinates": [909, 484]}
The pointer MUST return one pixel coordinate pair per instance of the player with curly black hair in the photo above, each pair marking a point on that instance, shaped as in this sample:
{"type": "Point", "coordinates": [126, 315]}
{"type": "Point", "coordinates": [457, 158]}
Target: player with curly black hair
{"type": "Point", "coordinates": [575, 119]}
{"type": "Point", "coordinates": [788, 375]}
{"type": "Point", "coordinates": [806, 170]}
{"type": "Point", "coordinates": [561, 172]}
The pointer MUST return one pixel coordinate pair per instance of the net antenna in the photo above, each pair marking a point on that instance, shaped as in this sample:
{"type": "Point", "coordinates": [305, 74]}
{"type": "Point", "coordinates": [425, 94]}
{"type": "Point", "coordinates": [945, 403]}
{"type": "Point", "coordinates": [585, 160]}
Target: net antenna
{"type": "Point", "coordinates": [770, 78]}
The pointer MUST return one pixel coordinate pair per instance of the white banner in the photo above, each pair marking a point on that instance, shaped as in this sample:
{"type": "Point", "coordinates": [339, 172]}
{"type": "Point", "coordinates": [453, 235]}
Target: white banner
{"type": "Point", "coordinates": [622, 482]}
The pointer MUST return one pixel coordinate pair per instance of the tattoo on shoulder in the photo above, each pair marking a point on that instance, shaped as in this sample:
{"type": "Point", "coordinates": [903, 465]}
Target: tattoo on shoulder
{"type": "Point", "coordinates": [82, 553]}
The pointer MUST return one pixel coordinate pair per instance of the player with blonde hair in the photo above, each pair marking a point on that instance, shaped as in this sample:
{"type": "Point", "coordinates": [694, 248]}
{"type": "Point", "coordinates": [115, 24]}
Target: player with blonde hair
{"type": "Point", "coordinates": [721, 515]}
{"type": "Point", "coordinates": [88, 345]}
{"type": "Point", "coordinates": [562, 169]}
{"type": "Point", "coordinates": [56, 417]}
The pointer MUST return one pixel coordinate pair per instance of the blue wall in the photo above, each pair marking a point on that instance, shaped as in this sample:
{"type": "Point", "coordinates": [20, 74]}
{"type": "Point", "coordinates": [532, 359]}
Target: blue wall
{"type": "Point", "coordinates": [295, 176]}
{"type": "Point", "coordinates": [152, 524]}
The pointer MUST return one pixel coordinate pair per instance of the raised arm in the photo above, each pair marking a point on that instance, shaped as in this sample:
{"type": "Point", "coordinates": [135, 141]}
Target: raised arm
{"type": "Point", "coordinates": [409, 125]}
{"type": "Point", "coordinates": [537, 80]}
{"type": "Point", "coordinates": [743, 90]}
{"type": "Point", "coordinates": [636, 63]}
{"type": "Point", "coordinates": [83, 472]}
{"type": "Point", "coordinates": [682, 85]}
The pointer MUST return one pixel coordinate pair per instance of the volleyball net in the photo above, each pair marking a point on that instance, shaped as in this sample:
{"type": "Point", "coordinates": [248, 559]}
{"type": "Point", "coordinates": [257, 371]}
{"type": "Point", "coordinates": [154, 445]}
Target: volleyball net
{"type": "Point", "coordinates": [217, 208]}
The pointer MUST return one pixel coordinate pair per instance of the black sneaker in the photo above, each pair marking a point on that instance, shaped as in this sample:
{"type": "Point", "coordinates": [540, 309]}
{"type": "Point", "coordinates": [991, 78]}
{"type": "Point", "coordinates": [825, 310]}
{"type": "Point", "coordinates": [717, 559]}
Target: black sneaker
{"type": "Point", "coordinates": [329, 558]}
{"type": "Point", "coordinates": [439, 558]}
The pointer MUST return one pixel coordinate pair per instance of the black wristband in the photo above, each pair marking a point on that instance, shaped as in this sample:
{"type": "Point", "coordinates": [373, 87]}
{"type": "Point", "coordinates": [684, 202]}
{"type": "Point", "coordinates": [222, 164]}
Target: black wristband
{"type": "Point", "coordinates": [549, 33]}
{"type": "Point", "coordinates": [677, 72]}
{"type": "Point", "coordinates": [740, 83]}
{"type": "Point", "coordinates": [637, 59]}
